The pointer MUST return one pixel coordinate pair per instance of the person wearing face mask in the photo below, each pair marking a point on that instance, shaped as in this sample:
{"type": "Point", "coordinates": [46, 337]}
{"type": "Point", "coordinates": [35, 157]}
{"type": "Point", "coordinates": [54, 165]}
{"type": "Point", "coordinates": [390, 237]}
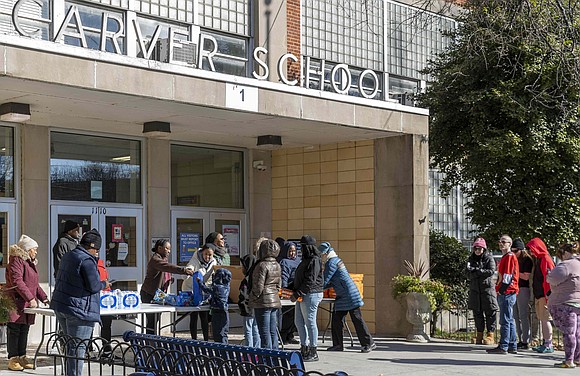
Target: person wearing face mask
{"type": "Point", "coordinates": [564, 302]}
{"type": "Point", "coordinates": [289, 261]}
{"type": "Point", "coordinates": [23, 288]}
{"type": "Point", "coordinates": [482, 297]}
{"type": "Point", "coordinates": [202, 261]}
{"type": "Point", "coordinates": [158, 276]}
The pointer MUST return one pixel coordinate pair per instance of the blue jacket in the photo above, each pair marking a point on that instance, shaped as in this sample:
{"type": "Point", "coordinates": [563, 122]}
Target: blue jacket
{"type": "Point", "coordinates": [78, 286]}
{"type": "Point", "coordinates": [219, 289]}
{"type": "Point", "coordinates": [347, 294]}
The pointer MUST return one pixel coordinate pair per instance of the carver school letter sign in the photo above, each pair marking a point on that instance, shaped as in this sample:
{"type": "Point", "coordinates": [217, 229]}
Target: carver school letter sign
{"type": "Point", "coordinates": [122, 32]}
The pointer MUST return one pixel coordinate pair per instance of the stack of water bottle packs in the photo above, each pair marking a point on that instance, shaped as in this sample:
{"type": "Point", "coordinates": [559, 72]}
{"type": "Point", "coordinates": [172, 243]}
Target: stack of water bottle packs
{"type": "Point", "coordinates": [117, 299]}
{"type": "Point", "coordinates": [181, 299]}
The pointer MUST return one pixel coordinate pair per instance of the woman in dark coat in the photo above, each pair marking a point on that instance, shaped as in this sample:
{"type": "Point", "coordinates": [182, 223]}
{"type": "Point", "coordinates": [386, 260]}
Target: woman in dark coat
{"type": "Point", "coordinates": [482, 296]}
{"type": "Point", "coordinates": [23, 288]}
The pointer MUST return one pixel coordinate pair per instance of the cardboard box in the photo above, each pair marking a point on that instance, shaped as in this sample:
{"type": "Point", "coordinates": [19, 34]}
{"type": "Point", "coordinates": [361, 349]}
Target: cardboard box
{"type": "Point", "coordinates": [237, 276]}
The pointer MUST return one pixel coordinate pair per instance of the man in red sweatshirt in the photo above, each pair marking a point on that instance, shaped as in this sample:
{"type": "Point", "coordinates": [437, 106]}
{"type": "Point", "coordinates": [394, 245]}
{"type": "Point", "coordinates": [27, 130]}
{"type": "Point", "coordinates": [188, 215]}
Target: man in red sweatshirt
{"type": "Point", "coordinates": [541, 290]}
{"type": "Point", "coordinates": [507, 290]}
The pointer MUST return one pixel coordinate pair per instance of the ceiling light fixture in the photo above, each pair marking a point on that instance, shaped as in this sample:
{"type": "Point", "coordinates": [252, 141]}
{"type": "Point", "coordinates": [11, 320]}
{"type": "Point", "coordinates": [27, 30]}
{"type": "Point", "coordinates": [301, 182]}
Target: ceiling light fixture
{"type": "Point", "coordinates": [269, 142]}
{"type": "Point", "coordinates": [158, 129]}
{"type": "Point", "coordinates": [15, 112]}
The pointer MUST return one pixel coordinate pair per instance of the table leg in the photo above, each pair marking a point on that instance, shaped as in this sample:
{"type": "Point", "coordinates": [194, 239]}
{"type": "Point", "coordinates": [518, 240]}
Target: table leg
{"type": "Point", "coordinates": [41, 340]}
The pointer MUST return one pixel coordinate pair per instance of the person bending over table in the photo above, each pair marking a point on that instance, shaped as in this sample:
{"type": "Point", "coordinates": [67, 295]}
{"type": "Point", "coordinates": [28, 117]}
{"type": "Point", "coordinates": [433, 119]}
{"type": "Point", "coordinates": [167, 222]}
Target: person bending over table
{"type": "Point", "coordinates": [158, 276]}
{"type": "Point", "coordinates": [348, 300]}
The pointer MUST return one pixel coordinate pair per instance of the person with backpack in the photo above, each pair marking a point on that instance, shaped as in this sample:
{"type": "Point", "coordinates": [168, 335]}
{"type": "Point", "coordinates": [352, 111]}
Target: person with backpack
{"type": "Point", "coordinates": [251, 334]}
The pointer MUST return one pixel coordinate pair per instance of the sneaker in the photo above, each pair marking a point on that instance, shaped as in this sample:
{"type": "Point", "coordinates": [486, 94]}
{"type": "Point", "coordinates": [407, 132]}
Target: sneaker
{"type": "Point", "coordinates": [368, 349]}
{"type": "Point", "coordinates": [512, 351]}
{"type": "Point", "coordinates": [292, 341]}
{"type": "Point", "coordinates": [577, 362]}
{"type": "Point", "coordinates": [523, 346]}
{"type": "Point", "coordinates": [565, 365]}
{"type": "Point", "coordinates": [335, 348]}
{"type": "Point", "coordinates": [497, 350]}
{"type": "Point", "coordinates": [545, 350]}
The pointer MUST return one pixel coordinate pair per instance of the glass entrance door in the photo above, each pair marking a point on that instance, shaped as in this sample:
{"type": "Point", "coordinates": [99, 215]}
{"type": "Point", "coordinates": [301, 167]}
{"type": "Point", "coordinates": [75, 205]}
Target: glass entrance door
{"type": "Point", "coordinates": [7, 234]}
{"type": "Point", "coordinates": [122, 233]}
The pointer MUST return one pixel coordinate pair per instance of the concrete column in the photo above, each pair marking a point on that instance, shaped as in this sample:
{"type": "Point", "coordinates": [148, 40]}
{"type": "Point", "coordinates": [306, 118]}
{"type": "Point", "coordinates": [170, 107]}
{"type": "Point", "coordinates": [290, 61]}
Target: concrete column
{"type": "Point", "coordinates": [270, 30]}
{"type": "Point", "coordinates": [260, 196]}
{"type": "Point", "coordinates": [34, 192]}
{"type": "Point", "coordinates": [402, 225]}
{"type": "Point", "coordinates": [158, 191]}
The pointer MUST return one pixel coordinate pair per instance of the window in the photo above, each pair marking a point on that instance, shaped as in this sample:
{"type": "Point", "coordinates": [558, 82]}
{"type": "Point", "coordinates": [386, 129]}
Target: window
{"type": "Point", "coordinates": [6, 162]}
{"type": "Point", "coordinates": [207, 177]}
{"type": "Point", "coordinates": [92, 168]}
{"type": "Point", "coordinates": [232, 16]}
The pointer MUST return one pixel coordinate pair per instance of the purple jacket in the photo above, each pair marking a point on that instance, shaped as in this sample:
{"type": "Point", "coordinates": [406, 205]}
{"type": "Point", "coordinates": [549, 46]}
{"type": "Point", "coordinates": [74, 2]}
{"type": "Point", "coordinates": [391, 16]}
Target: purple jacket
{"type": "Point", "coordinates": [22, 284]}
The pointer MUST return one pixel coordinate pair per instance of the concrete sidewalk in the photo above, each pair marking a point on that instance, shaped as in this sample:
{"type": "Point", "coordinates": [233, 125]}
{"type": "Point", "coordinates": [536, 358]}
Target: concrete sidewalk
{"type": "Point", "coordinates": [398, 357]}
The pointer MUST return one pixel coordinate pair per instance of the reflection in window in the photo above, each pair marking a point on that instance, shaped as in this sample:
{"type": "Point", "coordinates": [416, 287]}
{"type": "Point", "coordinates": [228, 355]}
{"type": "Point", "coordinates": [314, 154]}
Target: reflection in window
{"type": "Point", "coordinates": [231, 56]}
{"type": "Point", "coordinates": [92, 20]}
{"type": "Point", "coordinates": [6, 162]}
{"type": "Point", "coordinates": [207, 177]}
{"type": "Point", "coordinates": [91, 168]}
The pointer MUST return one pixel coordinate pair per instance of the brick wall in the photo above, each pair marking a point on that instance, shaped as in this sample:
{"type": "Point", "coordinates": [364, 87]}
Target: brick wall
{"type": "Point", "coordinates": [328, 192]}
{"type": "Point", "coordinates": [293, 35]}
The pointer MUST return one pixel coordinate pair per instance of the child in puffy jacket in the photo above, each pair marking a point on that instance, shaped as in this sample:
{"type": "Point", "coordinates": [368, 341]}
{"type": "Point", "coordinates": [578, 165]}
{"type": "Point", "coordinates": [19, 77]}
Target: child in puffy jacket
{"type": "Point", "coordinates": [219, 292]}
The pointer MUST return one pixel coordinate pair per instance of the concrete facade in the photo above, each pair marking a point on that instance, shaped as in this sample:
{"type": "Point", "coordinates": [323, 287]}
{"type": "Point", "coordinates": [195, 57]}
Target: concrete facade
{"type": "Point", "coordinates": [351, 171]}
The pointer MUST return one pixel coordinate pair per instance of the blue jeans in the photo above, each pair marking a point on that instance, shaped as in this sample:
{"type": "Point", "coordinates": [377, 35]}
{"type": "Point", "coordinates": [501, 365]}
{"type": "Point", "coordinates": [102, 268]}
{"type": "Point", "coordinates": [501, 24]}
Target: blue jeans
{"type": "Point", "coordinates": [267, 320]}
{"type": "Point", "coordinates": [251, 334]}
{"type": "Point", "coordinates": [507, 330]}
{"type": "Point", "coordinates": [305, 319]}
{"type": "Point", "coordinates": [81, 331]}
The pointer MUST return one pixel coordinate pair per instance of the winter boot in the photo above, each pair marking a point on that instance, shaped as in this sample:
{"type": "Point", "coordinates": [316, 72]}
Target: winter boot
{"type": "Point", "coordinates": [25, 362]}
{"type": "Point", "coordinates": [14, 364]}
{"type": "Point", "coordinates": [312, 355]}
{"type": "Point", "coordinates": [489, 339]}
{"type": "Point", "coordinates": [478, 339]}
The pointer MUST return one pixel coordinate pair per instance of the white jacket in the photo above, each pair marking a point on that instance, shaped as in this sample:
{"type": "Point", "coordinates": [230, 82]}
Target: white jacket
{"type": "Point", "coordinates": [195, 265]}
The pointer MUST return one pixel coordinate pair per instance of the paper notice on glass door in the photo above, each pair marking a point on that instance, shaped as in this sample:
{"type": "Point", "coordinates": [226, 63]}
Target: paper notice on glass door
{"type": "Point", "coordinates": [231, 235]}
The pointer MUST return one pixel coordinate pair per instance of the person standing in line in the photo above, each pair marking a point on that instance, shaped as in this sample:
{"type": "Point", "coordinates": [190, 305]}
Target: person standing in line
{"type": "Point", "coordinates": [67, 241]}
{"type": "Point", "coordinates": [507, 290]}
{"type": "Point", "coordinates": [288, 263]}
{"type": "Point", "coordinates": [251, 333]}
{"type": "Point", "coordinates": [482, 296]}
{"type": "Point", "coordinates": [158, 276]}
{"type": "Point", "coordinates": [522, 307]}
{"type": "Point", "coordinates": [219, 292]}
{"type": "Point", "coordinates": [76, 297]}
{"type": "Point", "coordinates": [541, 288]}
{"type": "Point", "coordinates": [220, 251]}
{"type": "Point", "coordinates": [23, 289]}
{"type": "Point", "coordinates": [264, 298]}
{"type": "Point", "coordinates": [564, 302]}
{"type": "Point", "coordinates": [308, 285]}
{"type": "Point", "coordinates": [348, 301]}
{"type": "Point", "coordinates": [202, 261]}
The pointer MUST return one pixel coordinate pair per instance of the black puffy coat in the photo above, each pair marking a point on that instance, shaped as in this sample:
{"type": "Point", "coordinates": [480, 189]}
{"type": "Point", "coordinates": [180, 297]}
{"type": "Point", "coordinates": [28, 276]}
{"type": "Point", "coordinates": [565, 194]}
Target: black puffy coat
{"type": "Point", "coordinates": [308, 278]}
{"type": "Point", "coordinates": [480, 270]}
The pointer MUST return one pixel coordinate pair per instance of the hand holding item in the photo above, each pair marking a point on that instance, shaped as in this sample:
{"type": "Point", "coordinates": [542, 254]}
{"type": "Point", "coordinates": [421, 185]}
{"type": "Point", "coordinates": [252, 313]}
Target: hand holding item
{"type": "Point", "coordinates": [33, 303]}
{"type": "Point", "coordinates": [46, 302]}
{"type": "Point", "coordinates": [188, 271]}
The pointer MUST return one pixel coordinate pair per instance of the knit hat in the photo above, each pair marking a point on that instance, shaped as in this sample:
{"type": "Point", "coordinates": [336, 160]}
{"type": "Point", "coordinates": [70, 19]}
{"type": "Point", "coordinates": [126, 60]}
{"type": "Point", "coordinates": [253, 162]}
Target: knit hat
{"type": "Point", "coordinates": [480, 242]}
{"type": "Point", "coordinates": [70, 225]}
{"type": "Point", "coordinates": [325, 247]}
{"type": "Point", "coordinates": [518, 244]}
{"type": "Point", "coordinates": [27, 243]}
{"type": "Point", "coordinates": [92, 239]}
{"type": "Point", "coordinates": [307, 240]}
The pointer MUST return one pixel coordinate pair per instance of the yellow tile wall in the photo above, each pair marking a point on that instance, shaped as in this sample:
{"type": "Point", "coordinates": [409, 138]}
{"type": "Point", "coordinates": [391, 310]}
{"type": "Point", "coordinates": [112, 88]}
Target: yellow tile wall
{"type": "Point", "coordinates": [327, 191]}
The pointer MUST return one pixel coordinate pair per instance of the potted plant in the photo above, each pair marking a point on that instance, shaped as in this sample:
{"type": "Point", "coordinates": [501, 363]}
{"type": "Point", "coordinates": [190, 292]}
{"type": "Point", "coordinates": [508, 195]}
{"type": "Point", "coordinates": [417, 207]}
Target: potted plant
{"type": "Point", "coordinates": [423, 297]}
{"type": "Point", "coordinates": [6, 305]}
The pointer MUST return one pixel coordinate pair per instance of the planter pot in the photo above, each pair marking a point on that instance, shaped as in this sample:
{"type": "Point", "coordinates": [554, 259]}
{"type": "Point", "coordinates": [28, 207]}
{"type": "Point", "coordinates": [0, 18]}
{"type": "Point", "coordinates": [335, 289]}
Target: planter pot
{"type": "Point", "coordinates": [418, 314]}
